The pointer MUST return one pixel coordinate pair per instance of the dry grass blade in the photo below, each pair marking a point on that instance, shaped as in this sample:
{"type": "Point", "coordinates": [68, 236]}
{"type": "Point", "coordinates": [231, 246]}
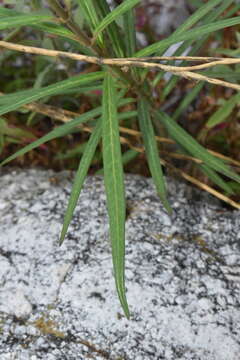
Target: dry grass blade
{"type": "Point", "coordinates": [185, 72]}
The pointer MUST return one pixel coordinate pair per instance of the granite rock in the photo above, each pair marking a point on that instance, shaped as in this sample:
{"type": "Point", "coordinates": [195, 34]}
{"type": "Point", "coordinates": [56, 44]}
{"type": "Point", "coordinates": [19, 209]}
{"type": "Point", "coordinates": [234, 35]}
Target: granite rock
{"type": "Point", "coordinates": [182, 273]}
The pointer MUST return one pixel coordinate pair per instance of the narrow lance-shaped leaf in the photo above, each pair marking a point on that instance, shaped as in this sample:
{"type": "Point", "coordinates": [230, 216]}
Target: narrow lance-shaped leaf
{"type": "Point", "coordinates": [89, 12]}
{"type": "Point", "coordinates": [58, 132]}
{"type": "Point", "coordinates": [199, 14]}
{"type": "Point", "coordinates": [14, 131]}
{"type": "Point", "coordinates": [223, 112]}
{"type": "Point", "coordinates": [207, 17]}
{"type": "Point", "coordinates": [216, 179]}
{"type": "Point", "coordinates": [130, 32]}
{"type": "Point", "coordinates": [113, 15]}
{"type": "Point", "coordinates": [188, 35]}
{"type": "Point", "coordinates": [55, 29]}
{"type": "Point", "coordinates": [193, 147]}
{"type": "Point", "coordinates": [90, 15]}
{"type": "Point", "coordinates": [19, 95]}
{"type": "Point", "coordinates": [28, 96]}
{"type": "Point", "coordinates": [21, 20]}
{"type": "Point", "coordinates": [152, 153]}
{"type": "Point", "coordinates": [84, 165]}
{"type": "Point", "coordinates": [211, 174]}
{"type": "Point", "coordinates": [114, 185]}
{"type": "Point", "coordinates": [113, 32]}
{"type": "Point", "coordinates": [130, 38]}
{"type": "Point", "coordinates": [62, 130]}
{"type": "Point", "coordinates": [49, 27]}
{"type": "Point", "coordinates": [187, 100]}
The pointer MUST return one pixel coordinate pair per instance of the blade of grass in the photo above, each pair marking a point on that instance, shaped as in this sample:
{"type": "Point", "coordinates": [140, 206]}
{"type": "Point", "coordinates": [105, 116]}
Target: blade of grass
{"type": "Point", "coordinates": [193, 147]}
{"type": "Point", "coordinates": [84, 165]}
{"type": "Point", "coordinates": [152, 153]}
{"type": "Point", "coordinates": [114, 185]}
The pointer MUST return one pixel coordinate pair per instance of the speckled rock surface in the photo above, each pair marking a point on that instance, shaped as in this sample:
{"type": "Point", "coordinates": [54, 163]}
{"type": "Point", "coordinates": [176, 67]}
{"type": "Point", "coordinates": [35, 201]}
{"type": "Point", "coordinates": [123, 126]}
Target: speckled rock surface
{"type": "Point", "coordinates": [182, 274]}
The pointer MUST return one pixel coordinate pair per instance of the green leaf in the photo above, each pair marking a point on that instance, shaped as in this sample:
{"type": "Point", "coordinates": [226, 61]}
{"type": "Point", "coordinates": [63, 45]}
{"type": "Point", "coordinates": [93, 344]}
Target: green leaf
{"type": "Point", "coordinates": [188, 35]}
{"type": "Point", "coordinates": [152, 153]}
{"type": "Point", "coordinates": [226, 75]}
{"type": "Point", "coordinates": [14, 101]}
{"type": "Point", "coordinates": [14, 131]}
{"type": "Point", "coordinates": [118, 11]}
{"type": "Point", "coordinates": [84, 165]}
{"type": "Point", "coordinates": [55, 30]}
{"type": "Point", "coordinates": [129, 155]}
{"type": "Point", "coordinates": [89, 12]}
{"type": "Point", "coordinates": [113, 32]}
{"type": "Point", "coordinates": [76, 151]}
{"type": "Point", "coordinates": [21, 20]}
{"type": "Point", "coordinates": [90, 15]}
{"type": "Point", "coordinates": [188, 99]}
{"type": "Point", "coordinates": [12, 97]}
{"type": "Point", "coordinates": [207, 18]}
{"type": "Point", "coordinates": [114, 185]}
{"type": "Point", "coordinates": [216, 179]}
{"type": "Point", "coordinates": [130, 32]}
{"type": "Point", "coordinates": [62, 130]}
{"type": "Point", "coordinates": [223, 112]}
{"type": "Point", "coordinates": [199, 14]}
{"type": "Point", "coordinates": [58, 132]}
{"type": "Point", "coordinates": [193, 147]}
{"type": "Point", "coordinates": [4, 12]}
